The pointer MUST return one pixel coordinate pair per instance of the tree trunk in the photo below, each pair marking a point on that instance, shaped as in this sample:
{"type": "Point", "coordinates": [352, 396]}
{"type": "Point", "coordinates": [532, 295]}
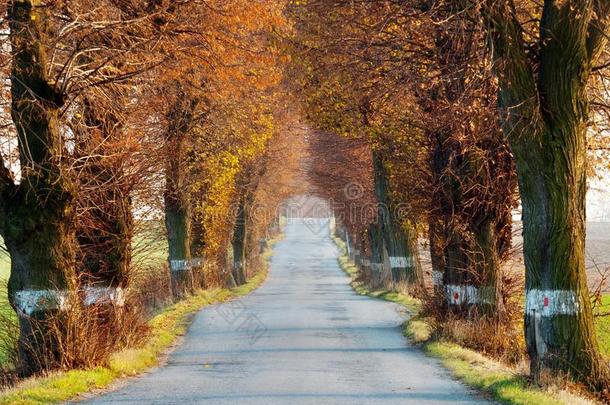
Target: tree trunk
{"type": "Point", "coordinates": [378, 276]}
{"type": "Point", "coordinates": [177, 219]}
{"type": "Point", "coordinates": [239, 243]}
{"type": "Point", "coordinates": [105, 220]}
{"type": "Point", "coordinates": [197, 251]}
{"type": "Point", "coordinates": [471, 170]}
{"type": "Point", "coordinates": [105, 252]}
{"type": "Point", "coordinates": [38, 217]}
{"type": "Point", "coordinates": [177, 204]}
{"type": "Point", "coordinates": [545, 118]}
{"type": "Point", "coordinates": [460, 290]}
{"type": "Point", "coordinates": [488, 269]}
{"type": "Point", "coordinates": [558, 319]}
{"type": "Point", "coordinates": [401, 246]}
{"type": "Point", "coordinates": [457, 287]}
{"type": "Point", "coordinates": [437, 259]}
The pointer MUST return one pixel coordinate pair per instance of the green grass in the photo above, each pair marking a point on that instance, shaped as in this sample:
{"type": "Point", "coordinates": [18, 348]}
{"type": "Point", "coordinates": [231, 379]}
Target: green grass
{"type": "Point", "coordinates": [165, 327]}
{"type": "Point", "coordinates": [6, 311]}
{"type": "Point", "coordinates": [504, 384]}
{"type": "Point", "coordinates": [602, 324]}
{"type": "Point", "coordinates": [149, 251]}
{"type": "Point", "coordinates": [489, 376]}
{"type": "Point", "coordinates": [5, 265]}
{"type": "Point", "coordinates": [413, 305]}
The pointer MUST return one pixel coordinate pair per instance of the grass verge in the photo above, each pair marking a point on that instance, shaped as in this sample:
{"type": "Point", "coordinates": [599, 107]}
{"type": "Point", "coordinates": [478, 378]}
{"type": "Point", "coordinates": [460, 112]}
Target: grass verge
{"type": "Point", "coordinates": [602, 324]}
{"type": "Point", "coordinates": [165, 327]}
{"type": "Point", "coordinates": [504, 384]}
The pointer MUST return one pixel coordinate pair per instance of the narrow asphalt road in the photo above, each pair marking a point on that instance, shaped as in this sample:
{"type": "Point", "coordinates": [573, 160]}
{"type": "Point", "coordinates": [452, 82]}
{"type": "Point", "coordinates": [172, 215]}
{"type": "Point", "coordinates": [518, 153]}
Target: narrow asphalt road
{"type": "Point", "coordinates": [304, 337]}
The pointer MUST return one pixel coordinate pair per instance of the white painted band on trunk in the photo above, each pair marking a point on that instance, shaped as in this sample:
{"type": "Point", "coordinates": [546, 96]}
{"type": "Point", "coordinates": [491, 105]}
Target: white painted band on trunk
{"type": "Point", "coordinates": [437, 278]}
{"type": "Point", "coordinates": [461, 294]}
{"type": "Point", "coordinates": [400, 262]}
{"type": "Point", "coordinates": [104, 295]}
{"type": "Point", "coordinates": [197, 261]}
{"type": "Point", "coordinates": [180, 265]}
{"type": "Point", "coordinates": [552, 302]}
{"type": "Point", "coordinates": [30, 301]}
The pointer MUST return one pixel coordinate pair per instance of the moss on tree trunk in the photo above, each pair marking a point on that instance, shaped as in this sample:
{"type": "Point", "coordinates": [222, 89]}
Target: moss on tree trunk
{"type": "Point", "coordinates": [38, 213]}
{"type": "Point", "coordinates": [177, 204]}
{"type": "Point", "coordinates": [545, 118]}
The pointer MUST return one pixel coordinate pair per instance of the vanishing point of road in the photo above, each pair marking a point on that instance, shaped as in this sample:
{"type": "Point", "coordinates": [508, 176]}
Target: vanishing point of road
{"type": "Point", "coordinates": [303, 337]}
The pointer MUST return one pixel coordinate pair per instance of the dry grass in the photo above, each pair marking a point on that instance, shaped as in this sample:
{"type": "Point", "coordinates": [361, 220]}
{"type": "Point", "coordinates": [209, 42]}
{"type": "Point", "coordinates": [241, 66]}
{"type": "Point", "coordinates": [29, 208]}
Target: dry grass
{"type": "Point", "coordinates": [500, 341]}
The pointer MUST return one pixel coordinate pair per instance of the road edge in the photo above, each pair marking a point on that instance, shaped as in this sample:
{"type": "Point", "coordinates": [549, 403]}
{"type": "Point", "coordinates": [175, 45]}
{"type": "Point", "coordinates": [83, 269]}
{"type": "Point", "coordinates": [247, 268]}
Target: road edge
{"type": "Point", "coordinates": [503, 383]}
{"type": "Point", "coordinates": [167, 328]}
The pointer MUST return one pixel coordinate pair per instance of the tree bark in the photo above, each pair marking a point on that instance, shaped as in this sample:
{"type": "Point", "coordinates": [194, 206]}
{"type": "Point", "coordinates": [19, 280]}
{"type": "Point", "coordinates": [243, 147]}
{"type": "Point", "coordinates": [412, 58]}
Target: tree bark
{"type": "Point", "coordinates": [546, 123]}
{"type": "Point", "coordinates": [239, 243]}
{"type": "Point", "coordinates": [401, 244]}
{"type": "Point", "coordinates": [177, 204]}
{"type": "Point", "coordinates": [197, 251]}
{"type": "Point", "coordinates": [437, 259]}
{"type": "Point", "coordinates": [378, 276]}
{"type": "Point", "coordinates": [105, 226]}
{"type": "Point", "coordinates": [488, 270]}
{"type": "Point", "coordinates": [38, 213]}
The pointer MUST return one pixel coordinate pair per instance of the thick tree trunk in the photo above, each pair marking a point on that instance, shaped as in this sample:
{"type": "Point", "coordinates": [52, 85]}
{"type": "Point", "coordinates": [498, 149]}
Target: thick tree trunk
{"type": "Point", "coordinates": [545, 118]}
{"type": "Point", "coordinates": [558, 321]}
{"type": "Point", "coordinates": [177, 225]}
{"type": "Point", "coordinates": [460, 290]}
{"type": "Point", "coordinates": [177, 204]}
{"type": "Point", "coordinates": [488, 269]}
{"type": "Point", "coordinates": [401, 245]}
{"type": "Point", "coordinates": [38, 217]}
{"type": "Point", "coordinates": [105, 223]}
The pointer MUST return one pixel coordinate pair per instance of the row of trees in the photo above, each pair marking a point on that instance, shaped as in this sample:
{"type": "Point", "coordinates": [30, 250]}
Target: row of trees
{"type": "Point", "coordinates": [461, 104]}
{"type": "Point", "coordinates": [121, 112]}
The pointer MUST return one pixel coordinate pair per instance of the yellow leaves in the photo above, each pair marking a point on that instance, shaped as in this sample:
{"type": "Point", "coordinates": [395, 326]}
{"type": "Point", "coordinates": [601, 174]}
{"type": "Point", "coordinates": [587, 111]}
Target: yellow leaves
{"type": "Point", "coordinates": [239, 63]}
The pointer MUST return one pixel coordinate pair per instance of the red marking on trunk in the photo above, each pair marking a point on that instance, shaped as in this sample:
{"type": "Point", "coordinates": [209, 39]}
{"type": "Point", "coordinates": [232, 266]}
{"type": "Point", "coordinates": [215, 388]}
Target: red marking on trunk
{"type": "Point", "coordinates": [546, 301]}
{"type": "Point", "coordinates": [456, 296]}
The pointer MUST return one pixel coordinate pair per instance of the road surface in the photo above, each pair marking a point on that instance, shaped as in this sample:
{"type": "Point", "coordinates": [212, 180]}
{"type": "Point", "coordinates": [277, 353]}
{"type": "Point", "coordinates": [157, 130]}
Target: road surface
{"type": "Point", "coordinates": [304, 337]}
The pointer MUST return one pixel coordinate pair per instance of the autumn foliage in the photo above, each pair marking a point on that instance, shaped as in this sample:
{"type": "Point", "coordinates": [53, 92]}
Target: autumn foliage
{"type": "Point", "coordinates": [139, 129]}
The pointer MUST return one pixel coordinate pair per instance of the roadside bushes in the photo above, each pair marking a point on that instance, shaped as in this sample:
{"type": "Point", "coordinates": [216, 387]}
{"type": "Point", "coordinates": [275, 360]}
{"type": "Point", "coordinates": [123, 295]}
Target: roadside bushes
{"type": "Point", "coordinates": [457, 123]}
{"type": "Point", "coordinates": [118, 116]}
